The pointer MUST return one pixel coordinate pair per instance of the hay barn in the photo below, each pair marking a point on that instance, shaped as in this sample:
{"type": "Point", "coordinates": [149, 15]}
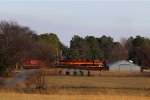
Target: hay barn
{"type": "Point", "coordinates": [124, 65]}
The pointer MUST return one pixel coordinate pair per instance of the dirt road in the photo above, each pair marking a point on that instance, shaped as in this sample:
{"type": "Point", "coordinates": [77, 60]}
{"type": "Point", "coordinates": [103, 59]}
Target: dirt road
{"type": "Point", "coordinates": [20, 78]}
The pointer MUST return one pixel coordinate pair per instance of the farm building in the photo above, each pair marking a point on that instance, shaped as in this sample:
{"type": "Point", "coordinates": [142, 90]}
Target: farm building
{"type": "Point", "coordinates": [124, 65]}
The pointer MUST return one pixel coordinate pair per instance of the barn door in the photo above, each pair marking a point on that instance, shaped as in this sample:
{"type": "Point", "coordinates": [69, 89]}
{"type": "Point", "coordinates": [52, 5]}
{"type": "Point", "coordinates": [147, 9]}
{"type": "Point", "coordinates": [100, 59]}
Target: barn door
{"type": "Point", "coordinates": [124, 67]}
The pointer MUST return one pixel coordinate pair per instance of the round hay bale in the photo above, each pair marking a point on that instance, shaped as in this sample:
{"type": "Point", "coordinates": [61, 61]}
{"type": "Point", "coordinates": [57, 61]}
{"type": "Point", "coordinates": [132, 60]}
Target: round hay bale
{"type": "Point", "coordinates": [71, 72]}
{"type": "Point", "coordinates": [63, 72]}
{"type": "Point", "coordinates": [85, 72]}
{"type": "Point", "coordinates": [78, 73]}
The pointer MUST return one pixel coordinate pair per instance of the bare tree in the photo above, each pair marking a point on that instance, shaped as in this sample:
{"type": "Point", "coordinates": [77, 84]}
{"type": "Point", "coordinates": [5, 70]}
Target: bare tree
{"type": "Point", "coordinates": [45, 51]}
{"type": "Point", "coordinates": [15, 41]}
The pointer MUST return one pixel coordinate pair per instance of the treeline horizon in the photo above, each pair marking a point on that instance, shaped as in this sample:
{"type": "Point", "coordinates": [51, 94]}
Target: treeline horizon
{"type": "Point", "coordinates": [19, 43]}
{"type": "Point", "coordinates": [104, 48]}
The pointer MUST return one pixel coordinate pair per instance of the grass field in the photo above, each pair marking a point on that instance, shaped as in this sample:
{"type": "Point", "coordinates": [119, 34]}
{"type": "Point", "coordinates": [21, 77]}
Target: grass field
{"type": "Point", "coordinates": [87, 88]}
{"type": "Point", "coordinates": [146, 70]}
{"type": "Point", "coordinates": [17, 96]}
{"type": "Point", "coordinates": [98, 85]}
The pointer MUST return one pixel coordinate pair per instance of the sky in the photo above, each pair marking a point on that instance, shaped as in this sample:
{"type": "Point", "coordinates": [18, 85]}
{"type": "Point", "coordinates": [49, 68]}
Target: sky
{"type": "Point", "coordinates": [66, 18]}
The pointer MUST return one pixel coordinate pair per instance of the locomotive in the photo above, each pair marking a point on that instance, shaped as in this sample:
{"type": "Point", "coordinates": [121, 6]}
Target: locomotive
{"type": "Point", "coordinates": [33, 64]}
{"type": "Point", "coordinates": [81, 64]}
{"type": "Point", "coordinates": [71, 64]}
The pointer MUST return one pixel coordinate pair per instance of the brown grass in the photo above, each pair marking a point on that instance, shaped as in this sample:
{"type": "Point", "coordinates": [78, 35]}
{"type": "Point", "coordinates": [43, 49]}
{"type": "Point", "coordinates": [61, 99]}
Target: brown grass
{"type": "Point", "coordinates": [18, 96]}
{"type": "Point", "coordinates": [105, 86]}
{"type": "Point", "coordinates": [98, 85]}
{"type": "Point", "coordinates": [122, 74]}
{"type": "Point", "coordinates": [146, 70]}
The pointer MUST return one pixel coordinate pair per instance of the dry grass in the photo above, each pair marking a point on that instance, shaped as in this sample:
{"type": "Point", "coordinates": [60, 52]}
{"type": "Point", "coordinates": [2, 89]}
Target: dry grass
{"type": "Point", "coordinates": [110, 82]}
{"type": "Point", "coordinates": [99, 85]}
{"type": "Point", "coordinates": [102, 87]}
{"type": "Point", "coordinates": [17, 96]}
{"type": "Point", "coordinates": [122, 74]}
{"type": "Point", "coordinates": [146, 70]}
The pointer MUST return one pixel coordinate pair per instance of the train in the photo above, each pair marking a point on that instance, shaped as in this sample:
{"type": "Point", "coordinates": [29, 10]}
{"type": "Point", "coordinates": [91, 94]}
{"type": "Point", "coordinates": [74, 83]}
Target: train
{"type": "Point", "coordinates": [71, 64]}
{"type": "Point", "coordinates": [33, 64]}
{"type": "Point", "coordinates": [81, 64]}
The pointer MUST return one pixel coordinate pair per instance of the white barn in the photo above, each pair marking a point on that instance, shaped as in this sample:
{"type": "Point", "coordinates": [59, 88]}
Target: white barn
{"type": "Point", "coordinates": [124, 65]}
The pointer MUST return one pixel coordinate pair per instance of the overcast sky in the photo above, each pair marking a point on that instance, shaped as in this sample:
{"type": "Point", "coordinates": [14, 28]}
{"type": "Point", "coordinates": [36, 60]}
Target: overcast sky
{"type": "Point", "coordinates": [67, 18]}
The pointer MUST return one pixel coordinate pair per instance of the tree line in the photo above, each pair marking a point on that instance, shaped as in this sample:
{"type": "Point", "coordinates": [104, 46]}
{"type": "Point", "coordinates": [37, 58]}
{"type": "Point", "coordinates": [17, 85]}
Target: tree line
{"type": "Point", "coordinates": [19, 43]}
{"type": "Point", "coordinates": [106, 49]}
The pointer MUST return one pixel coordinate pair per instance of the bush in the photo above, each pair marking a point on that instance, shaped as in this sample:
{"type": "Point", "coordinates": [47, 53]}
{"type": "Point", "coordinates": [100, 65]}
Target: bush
{"type": "Point", "coordinates": [5, 64]}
